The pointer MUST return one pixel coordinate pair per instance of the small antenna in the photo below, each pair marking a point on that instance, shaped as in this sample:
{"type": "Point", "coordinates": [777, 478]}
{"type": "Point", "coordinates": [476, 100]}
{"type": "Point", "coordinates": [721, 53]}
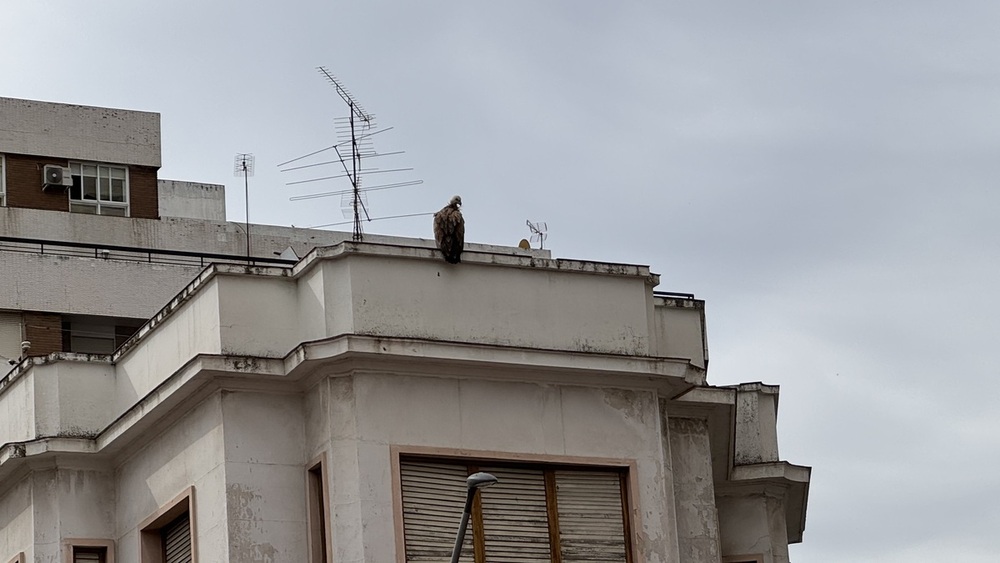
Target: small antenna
{"type": "Point", "coordinates": [356, 130]}
{"type": "Point", "coordinates": [538, 231]}
{"type": "Point", "coordinates": [243, 166]}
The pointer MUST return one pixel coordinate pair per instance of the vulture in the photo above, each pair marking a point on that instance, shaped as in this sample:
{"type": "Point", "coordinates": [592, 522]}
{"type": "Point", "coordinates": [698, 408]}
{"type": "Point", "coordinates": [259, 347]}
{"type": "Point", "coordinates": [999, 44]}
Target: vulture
{"type": "Point", "coordinates": [449, 231]}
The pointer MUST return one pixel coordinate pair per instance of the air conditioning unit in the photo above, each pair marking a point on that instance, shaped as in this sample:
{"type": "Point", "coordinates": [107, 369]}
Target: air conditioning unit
{"type": "Point", "coordinates": [56, 177]}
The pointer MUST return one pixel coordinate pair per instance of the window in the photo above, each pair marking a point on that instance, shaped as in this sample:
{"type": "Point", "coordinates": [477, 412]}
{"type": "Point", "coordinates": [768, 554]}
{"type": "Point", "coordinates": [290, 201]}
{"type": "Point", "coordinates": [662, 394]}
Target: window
{"type": "Point", "coordinates": [166, 537]}
{"type": "Point", "coordinates": [3, 180]}
{"type": "Point", "coordinates": [88, 551]}
{"type": "Point", "coordinates": [536, 513]}
{"type": "Point", "coordinates": [99, 189]}
{"type": "Point", "coordinates": [176, 538]}
{"type": "Point", "coordinates": [86, 334]}
{"type": "Point", "coordinates": [318, 505]}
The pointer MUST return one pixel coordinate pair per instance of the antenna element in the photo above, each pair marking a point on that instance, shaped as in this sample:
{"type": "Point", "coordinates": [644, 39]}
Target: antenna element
{"type": "Point", "coordinates": [539, 233]}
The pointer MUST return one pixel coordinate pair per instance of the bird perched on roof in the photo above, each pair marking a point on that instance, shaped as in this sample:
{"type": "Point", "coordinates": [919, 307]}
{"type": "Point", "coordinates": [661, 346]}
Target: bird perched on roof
{"type": "Point", "coordinates": [449, 231]}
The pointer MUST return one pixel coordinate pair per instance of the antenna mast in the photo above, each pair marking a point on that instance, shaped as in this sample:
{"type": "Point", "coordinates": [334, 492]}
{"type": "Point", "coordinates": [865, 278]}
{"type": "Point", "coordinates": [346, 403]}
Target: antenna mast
{"type": "Point", "coordinates": [244, 165]}
{"type": "Point", "coordinates": [356, 130]}
{"type": "Point", "coordinates": [356, 112]}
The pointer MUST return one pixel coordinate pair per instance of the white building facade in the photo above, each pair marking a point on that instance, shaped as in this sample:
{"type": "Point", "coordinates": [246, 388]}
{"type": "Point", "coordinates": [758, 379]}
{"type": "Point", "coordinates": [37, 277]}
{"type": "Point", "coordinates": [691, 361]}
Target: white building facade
{"type": "Point", "coordinates": [181, 402]}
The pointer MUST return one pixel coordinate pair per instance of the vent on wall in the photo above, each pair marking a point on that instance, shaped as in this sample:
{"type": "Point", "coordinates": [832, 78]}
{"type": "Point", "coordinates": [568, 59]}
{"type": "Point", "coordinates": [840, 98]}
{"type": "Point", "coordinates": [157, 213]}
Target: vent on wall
{"type": "Point", "coordinates": [56, 177]}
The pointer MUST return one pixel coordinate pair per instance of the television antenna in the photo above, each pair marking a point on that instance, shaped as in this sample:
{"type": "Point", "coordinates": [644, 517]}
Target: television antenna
{"type": "Point", "coordinates": [538, 232]}
{"type": "Point", "coordinates": [355, 132]}
{"type": "Point", "coordinates": [243, 165]}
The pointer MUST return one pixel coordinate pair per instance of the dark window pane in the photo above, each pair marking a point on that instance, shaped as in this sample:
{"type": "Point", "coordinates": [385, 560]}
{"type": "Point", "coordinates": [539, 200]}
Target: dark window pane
{"type": "Point", "coordinates": [89, 187]}
{"type": "Point", "coordinates": [75, 189]}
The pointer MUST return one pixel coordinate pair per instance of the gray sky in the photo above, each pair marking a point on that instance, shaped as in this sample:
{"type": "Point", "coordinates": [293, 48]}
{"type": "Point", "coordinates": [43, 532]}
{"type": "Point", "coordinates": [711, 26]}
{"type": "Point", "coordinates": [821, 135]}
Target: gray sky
{"type": "Point", "coordinates": [823, 174]}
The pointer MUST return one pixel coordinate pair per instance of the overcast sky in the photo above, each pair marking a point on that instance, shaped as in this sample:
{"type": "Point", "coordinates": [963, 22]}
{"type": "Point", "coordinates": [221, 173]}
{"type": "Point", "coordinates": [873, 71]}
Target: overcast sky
{"type": "Point", "coordinates": [823, 174]}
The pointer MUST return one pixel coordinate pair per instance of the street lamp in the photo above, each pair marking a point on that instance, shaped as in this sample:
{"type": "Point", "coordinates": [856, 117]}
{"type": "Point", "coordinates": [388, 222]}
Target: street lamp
{"type": "Point", "coordinates": [475, 482]}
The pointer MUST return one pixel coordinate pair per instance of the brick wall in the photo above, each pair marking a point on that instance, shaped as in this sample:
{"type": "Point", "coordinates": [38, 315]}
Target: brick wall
{"type": "Point", "coordinates": [24, 184]}
{"type": "Point", "coordinates": [142, 192]}
{"type": "Point", "coordinates": [44, 331]}
{"type": "Point", "coordinates": [24, 187]}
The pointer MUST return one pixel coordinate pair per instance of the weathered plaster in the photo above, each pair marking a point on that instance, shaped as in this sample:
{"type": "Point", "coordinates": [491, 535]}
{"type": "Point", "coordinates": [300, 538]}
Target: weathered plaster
{"type": "Point", "coordinates": [694, 491]}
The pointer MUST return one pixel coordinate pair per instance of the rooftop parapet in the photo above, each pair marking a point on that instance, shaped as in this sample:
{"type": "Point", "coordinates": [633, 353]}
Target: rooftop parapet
{"type": "Point", "coordinates": [80, 132]}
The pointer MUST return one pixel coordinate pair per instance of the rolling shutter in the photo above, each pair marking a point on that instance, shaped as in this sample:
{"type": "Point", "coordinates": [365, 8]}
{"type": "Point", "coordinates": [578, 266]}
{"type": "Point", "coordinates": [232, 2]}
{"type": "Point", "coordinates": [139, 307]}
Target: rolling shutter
{"type": "Point", "coordinates": [591, 521]}
{"type": "Point", "coordinates": [88, 555]}
{"type": "Point", "coordinates": [515, 517]}
{"type": "Point", "coordinates": [534, 514]}
{"type": "Point", "coordinates": [177, 540]}
{"type": "Point", "coordinates": [433, 501]}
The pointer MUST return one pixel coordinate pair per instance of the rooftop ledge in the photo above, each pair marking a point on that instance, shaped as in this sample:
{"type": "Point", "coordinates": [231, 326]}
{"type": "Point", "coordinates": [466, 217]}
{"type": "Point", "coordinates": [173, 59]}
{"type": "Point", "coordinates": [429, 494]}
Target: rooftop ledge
{"type": "Point", "coordinates": [478, 254]}
{"type": "Point", "coordinates": [404, 291]}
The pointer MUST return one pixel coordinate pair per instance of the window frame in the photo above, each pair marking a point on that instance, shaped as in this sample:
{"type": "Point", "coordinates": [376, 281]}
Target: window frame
{"type": "Point", "coordinates": [19, 558]}
{"type": "Point", "coordinates": [3, 180]}
{"type": "Point", "coordinates": [150, 538]}
{"type": "Point", "coordinates": [97, 203]}
{"type": "Point", "coordinates": [318, 534]}
{"type": "Point", "coordinates": [627, 468]}
{"type": "Point", "coordinates": [71, 544]}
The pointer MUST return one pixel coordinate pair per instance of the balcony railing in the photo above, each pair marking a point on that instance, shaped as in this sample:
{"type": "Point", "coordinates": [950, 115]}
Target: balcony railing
{"type": "Point", "coordinates": [133, 254]}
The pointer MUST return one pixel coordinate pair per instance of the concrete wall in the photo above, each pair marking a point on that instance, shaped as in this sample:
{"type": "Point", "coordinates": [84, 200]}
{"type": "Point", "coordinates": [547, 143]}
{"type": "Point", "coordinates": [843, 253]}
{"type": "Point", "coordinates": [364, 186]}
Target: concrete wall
{"type": "Point", "coordinates": [71, 399]}
{"type": "Point", "coordinates": [754, 524]}
{"type": "Point", "coordinates": [265, 477]}
{"type": "Point", "coordinates": [192, 200]}
{"type": "Point", "coordinates": [189, 453]}
{"type": "Point", "coordinates": [88, 286]}
{"type": "Point", "coordinates": [80, 132]}
{"type": "Point", "coordinates": [16, 520]}
{"type": "Point", "coordinates": [694, 491]}
{"type": "Point", "coordinates": [390, 296]}
{"type": "Point", "coordinates": [504, 306]}
{"type": "Point", "coordinates": [59, 399]}
{"type": "Point", "coordinates": [756, 424]}
{"type": "Point", "coordinates": [17, 409]}
{"type": "Point", "coordinates": [70, 503]}
{"type": "Point", "coordinates": [680, 330]}
{"type": "Point", "coordinates": [193, 328]}
{"type": "Point", "coordinates": [246, 305]}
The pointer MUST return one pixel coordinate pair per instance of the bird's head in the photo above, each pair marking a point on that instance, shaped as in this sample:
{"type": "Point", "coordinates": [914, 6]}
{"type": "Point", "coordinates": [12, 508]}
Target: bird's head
{"type": "Point", "coordinates": [456, 201]}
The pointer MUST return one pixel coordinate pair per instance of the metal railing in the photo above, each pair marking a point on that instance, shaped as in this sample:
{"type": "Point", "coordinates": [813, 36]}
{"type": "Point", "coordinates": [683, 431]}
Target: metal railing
{"type": "Point", "coordinates": [673, 295]}
{"type": "Point", "coordinates": [132, 253]}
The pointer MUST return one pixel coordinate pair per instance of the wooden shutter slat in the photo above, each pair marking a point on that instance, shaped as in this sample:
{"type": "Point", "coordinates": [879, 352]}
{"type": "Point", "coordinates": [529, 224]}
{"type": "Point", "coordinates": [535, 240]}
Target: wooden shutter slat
{"type": "Point", "coordinates": [515, 520]}
{"type": "Point", "coordinates": [591, 521]}
{"type": "Point", "coordinates": [433, 500]}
